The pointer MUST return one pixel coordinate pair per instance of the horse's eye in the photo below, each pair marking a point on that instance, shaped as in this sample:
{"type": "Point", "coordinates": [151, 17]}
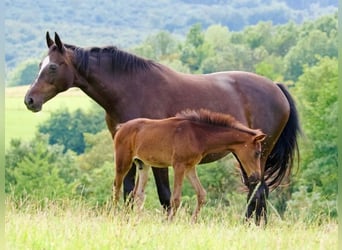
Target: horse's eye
{"type": "Point", "coordinates": [257, 154]}
{"type": "Point", "coordinates": [53, 67]}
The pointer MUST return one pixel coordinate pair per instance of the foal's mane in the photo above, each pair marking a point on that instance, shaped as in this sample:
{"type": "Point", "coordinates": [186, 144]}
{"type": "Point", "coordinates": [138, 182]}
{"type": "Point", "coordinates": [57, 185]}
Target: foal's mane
{"type": "Point", "coordinates": [121, 61]}
{"type": "Point", "coordinates": [214, 118]}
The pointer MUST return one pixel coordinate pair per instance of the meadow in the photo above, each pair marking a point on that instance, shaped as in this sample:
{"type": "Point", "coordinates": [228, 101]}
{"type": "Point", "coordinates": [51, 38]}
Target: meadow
{"type": "Point", "coordinates": [74, 226]}
{"type": "Point", "coordinates": [22, 123]}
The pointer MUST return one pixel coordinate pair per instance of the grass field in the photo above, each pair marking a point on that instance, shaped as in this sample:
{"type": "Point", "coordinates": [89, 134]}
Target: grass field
{"type": "Point", "coordinates": [22, 123]}
{"type": "Point", "coordinates": [77, 227]}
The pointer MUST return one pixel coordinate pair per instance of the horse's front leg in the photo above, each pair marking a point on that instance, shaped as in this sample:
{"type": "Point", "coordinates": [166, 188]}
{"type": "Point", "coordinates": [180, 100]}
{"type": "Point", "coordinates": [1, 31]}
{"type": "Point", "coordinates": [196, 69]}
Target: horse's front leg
{"type": "Point", "coordinates": [128, 185]}
{"type": "Point", "coordinates": [139, 190]}
{"type": "Point", "coordinates": [256, 200]}
{"type": "Point", "coordinates": [161, 177]}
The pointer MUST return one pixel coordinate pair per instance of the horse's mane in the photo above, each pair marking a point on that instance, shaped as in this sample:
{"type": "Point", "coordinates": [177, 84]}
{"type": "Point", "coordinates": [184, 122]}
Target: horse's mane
{"type": "Point", "coordinates": [121, 61]}
{"type": "Point", "coordinates": [214, 118]}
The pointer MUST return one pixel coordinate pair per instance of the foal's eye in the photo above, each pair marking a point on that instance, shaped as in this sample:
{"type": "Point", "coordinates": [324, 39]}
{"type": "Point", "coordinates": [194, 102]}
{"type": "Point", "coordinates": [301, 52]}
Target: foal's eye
{"type": "Point", "coordinates": [257, 154]}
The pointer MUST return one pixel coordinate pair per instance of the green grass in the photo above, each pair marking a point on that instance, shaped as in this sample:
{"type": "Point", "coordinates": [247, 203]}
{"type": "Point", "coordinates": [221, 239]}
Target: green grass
{"type": "Point", "coordinates": [74, 226]}
{"type": "Point", "coordinates": [22, 123]}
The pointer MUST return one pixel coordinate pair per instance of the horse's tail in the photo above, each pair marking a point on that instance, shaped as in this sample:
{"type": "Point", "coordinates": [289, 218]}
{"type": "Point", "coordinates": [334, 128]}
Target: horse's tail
{"type": "Point", "coordinates": [279, 163]}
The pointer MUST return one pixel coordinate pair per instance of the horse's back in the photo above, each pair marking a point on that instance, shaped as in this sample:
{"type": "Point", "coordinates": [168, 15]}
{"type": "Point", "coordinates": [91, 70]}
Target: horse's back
{"type": "Point", "coordinates": [257, 102]}
{"type": "Point", "coordinates": [252, 99]}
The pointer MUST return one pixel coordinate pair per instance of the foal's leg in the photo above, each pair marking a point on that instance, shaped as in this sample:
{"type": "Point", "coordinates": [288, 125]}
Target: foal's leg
{"type": "Point", "coordinates": [139, 190]}
{"type": "Point", "coordinates": [200, 191]}
{"type": "Point", "coordinates": [123, 163]}
{"type": "Point", "coordinates": [179, 170]}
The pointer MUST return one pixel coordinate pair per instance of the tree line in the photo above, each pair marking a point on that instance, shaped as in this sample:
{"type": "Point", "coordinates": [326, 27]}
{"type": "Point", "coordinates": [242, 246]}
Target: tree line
{"type": "Point", "coordinates": [126, 23]}
{"type": "Point", "coordinates": [57, 165]}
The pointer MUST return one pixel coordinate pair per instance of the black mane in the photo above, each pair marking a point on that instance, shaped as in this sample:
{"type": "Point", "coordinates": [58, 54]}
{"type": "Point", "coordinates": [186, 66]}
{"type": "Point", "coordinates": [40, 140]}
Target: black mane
{"type": "Point", "coordinates": [121, 61]}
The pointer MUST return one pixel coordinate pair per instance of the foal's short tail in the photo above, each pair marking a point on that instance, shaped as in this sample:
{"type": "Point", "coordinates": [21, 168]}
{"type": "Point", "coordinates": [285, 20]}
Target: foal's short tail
{"type": "Point", "coordinates": [279, 163]}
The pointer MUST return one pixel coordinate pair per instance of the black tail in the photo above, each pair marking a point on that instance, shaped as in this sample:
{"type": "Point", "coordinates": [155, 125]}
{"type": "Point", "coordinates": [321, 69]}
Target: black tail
{"type": "Point", "coordinates": [279, 163]}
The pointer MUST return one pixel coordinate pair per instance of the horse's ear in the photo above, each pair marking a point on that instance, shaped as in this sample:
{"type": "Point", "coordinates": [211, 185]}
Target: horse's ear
{"type": "Point", "coordinates": [49, 41]}
{"type": "Point", "coordinates": [59, 43]}
{"type": "Point", "coordinates": [259, 137]}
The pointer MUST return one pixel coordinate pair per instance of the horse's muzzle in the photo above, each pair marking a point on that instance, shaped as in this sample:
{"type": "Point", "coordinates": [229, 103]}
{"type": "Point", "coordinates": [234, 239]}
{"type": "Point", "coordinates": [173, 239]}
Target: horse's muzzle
{"type": "Point", "coordinates": [31, 104]}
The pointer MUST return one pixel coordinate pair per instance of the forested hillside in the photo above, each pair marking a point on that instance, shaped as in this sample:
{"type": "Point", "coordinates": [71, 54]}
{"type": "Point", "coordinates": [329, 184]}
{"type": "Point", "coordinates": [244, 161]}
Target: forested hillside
{"type": "Point", "coordinates": [128, 23]}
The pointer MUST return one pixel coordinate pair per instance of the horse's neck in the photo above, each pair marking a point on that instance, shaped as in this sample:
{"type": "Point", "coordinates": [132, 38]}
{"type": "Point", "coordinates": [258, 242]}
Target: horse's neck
{"type": "Point", "coordinates": [96, 86]}
{"type": "Point", "coordinates": [111, 90]}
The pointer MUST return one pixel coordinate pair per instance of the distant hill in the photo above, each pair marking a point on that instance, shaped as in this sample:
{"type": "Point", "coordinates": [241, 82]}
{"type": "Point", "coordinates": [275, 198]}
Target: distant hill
{"type": "Point", "coordinates": [126, 23]}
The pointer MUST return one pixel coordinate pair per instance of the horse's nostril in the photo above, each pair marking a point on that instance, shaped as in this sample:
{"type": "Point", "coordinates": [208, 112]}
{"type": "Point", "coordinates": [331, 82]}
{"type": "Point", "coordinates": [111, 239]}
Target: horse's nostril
{"type": "Point", "coordinates": [29, 101]}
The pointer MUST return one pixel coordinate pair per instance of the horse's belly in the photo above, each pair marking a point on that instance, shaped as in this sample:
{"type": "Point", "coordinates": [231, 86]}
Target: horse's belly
{"type": "Point", "coordinates": [213, 157]}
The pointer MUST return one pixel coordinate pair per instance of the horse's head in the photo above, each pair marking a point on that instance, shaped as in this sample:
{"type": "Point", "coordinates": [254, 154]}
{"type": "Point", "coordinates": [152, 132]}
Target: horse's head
{"type": "Point", "coordinates": [56, 74]}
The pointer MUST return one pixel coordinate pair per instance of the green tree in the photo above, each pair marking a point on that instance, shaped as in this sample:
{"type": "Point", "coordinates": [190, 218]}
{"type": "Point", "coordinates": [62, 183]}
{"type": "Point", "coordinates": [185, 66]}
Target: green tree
{"type": "Point", "coordinates": [315, 39]}
{"type": "Point", "coordinates": [96, 167]}
{"type": "Point", "coordinates": [316, 91]}
{"type": "Point", "coordinates": [23, 74]}
{"type": "Point", "coordinates": [283, 38]}
{"type": "Point", "coordinates": [39, 170]}
{"type": "Point", "coordinates": [271, 67]}
{"type": "Point", "coordinates": [158, 47]}
{"type": "Point", "coordinates": [218, 38]}
{"type": "Point", "coordinates": [306, 52]}
{"type": "Point", "coordinates": [194, 50]}
{"type": "Point", "coordinates": [67, 128]}
{"type": "Point", "coordinates": [258, 35]}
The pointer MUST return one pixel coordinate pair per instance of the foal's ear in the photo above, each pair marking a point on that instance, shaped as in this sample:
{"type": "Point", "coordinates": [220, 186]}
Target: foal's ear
{"type": "Point", "coordinates": [49, 41]}
{"type": "Point", "coordinates": [259, 137]}
{"type": "Point", "coordinates": [59, 43]}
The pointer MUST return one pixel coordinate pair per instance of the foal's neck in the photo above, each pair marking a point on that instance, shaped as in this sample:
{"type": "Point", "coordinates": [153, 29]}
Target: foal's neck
{"type": "Point", "coordinates": [227, 139]}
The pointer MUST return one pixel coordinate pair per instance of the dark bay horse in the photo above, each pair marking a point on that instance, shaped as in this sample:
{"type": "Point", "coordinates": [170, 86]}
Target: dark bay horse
{"type": "Point", "coordinates": [182, 142]}
{"type": "Point", "coordinates": [128, 87]}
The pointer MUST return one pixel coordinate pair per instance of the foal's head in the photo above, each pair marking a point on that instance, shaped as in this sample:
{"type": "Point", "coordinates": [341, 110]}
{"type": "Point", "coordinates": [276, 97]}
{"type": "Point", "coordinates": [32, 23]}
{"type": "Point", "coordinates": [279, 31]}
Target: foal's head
{"type": "Point", "coordinates": [249, 154]}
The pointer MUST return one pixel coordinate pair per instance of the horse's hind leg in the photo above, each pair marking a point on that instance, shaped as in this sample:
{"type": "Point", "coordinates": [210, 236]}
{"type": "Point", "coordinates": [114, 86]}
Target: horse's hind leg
{"type": "Point", "coordinates": [257, 195]}
{"type": "Point", "coordinates": [261, 207]}
{"type": "Point", "coordinates": [258, 191]}
{"type": "Point", "coordinates": [200, 191]}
